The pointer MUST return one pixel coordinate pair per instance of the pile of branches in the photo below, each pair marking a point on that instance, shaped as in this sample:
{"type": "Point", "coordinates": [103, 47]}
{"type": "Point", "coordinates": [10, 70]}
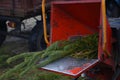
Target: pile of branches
{"type": "Point", "coordinates": [85, 47]}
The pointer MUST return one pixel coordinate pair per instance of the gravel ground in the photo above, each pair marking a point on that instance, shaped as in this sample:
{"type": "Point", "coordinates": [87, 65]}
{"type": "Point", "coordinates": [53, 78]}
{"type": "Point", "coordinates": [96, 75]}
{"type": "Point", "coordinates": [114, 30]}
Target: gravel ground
{"type": "Point", "coordinates": [16, 45]}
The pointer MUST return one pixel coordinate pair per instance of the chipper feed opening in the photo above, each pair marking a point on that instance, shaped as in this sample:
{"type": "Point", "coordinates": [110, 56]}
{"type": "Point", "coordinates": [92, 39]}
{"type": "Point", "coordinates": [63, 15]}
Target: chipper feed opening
{"type": "Point", "coordinates": [71, 20]}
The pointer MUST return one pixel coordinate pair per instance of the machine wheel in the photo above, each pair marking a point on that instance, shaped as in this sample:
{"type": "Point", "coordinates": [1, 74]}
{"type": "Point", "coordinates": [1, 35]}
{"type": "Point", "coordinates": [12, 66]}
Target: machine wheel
{"type": "Point", "coordinates": [41, 45]}
{"type": "Point", "coordinates": [36, 41]}
{"type": "Point", "coordinates": [113, 8]}
{"type": "Point", "coordinates": [3, 27]}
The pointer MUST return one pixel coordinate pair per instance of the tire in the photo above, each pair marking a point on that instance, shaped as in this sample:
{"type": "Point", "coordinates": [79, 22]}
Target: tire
{"type": "Point", "coordinates": [41, 45]}
{"type": "Point", "coordinates": [3, 27]}
{"type": "Point", "coordinates": [113, 8]}
{"type": "Point", "coordinates": [36, 41]}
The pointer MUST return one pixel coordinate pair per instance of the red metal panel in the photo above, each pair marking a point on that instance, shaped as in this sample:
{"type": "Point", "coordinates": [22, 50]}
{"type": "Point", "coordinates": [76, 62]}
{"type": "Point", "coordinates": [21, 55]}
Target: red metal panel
{"type": "Point", "coordinates": [74, 18]}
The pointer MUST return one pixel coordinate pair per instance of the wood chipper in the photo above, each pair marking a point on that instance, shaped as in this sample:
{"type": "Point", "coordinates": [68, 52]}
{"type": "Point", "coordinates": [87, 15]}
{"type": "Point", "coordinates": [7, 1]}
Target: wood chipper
{"type": "Point", "coordinates": [71, 19]}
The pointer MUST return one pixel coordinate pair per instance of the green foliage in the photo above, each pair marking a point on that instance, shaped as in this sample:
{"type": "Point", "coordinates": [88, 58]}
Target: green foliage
{"type": "Point", "coordinates": [4, 55]}
{"type": "Point", "coordinates": [3, 58]}
{"type": "Point", "coordinates": [51, 76]}
{"type": "Point", "coordinates": [86, 47]}
{"type": "Point", "coordinates": [20, 56]}
{"type": "Point", "coordinates": [36, 74]}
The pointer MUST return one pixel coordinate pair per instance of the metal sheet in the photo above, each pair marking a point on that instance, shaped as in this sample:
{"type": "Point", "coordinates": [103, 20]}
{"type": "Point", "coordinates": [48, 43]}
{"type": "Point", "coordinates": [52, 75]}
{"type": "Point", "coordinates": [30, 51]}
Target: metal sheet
{"type": "Point", "coordinates": [70, 66]}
